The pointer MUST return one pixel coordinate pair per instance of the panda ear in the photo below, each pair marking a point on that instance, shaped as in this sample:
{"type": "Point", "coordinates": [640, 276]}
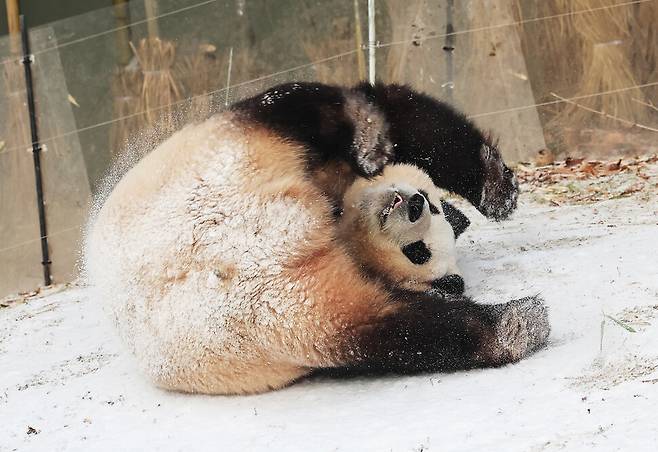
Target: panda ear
{"type": "Point", "coordinates": [456, 218]}
{"type": "Point", "coordinates": [417, 252]}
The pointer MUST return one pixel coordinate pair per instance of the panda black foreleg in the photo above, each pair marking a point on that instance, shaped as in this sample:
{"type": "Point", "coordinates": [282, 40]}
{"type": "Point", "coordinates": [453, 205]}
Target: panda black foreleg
{"type": "Point", "coordinates": [449, 284]}
{"type": "Point", "coordinates": [330, 126]}
{"type": "Point", "coordinates": [426, 335]}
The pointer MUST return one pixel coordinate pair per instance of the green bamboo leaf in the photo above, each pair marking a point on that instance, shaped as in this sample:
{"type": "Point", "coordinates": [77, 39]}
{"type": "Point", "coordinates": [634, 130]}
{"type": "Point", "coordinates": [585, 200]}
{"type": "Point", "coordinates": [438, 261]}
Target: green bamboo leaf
{"type": "Point", "coordinates": [622, 324]}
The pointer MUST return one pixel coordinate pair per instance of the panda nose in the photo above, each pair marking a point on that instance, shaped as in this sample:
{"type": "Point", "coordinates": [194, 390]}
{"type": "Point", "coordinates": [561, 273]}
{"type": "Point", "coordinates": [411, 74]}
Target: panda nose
{"type": "Point", "coordinates": [416, 204]}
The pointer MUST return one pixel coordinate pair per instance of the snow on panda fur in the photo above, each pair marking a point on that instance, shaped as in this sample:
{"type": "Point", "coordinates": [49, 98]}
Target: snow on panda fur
{"type": "Point", "coordinates": [394, 226]}
{"type": "Point", "coordinates": [217, 254]}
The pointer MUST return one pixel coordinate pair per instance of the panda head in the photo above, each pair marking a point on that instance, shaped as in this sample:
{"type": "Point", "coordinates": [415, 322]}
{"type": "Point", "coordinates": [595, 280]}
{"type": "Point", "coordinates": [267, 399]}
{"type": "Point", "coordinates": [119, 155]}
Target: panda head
{"type": "Point", "coordinates": [397, 228]}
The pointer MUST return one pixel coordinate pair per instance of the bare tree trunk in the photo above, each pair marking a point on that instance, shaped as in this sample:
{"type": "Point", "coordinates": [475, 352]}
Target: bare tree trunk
{"type": "Point", "coordinates": [13, 11]}
{"type": "Point", "coordinates": [151, 9]}
{"type": "Point", "coordinates": [122, 35]}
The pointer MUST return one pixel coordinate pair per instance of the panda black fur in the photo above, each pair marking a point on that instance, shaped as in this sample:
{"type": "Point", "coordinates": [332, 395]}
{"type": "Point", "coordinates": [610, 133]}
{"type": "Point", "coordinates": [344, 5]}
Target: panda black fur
{"type": "Point", "coordinates": [217, 252]}
{"type": "Point", "coordinates": [394, 227]}
{"type": "Point", "coordinates": [355, 131]}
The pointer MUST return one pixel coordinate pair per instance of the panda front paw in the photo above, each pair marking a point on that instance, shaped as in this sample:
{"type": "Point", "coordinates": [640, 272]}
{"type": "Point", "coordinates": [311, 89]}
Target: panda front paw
{"type": "Point", "coordinates": [371, 147]}
{"type": "Point", "coordinates": [449, 284]}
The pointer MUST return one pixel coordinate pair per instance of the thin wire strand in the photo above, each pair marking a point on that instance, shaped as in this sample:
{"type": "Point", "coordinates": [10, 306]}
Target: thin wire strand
{"type": "Point", "coordinates": [606, 115]}
{"type": "Point", "coordinates": [27, 242]}
{"type": "Point", "coordinates": [340, 55]}
{"type": "Point", "coordinates": [123, 27]}
{"type": "Point", "coordinates": [554, 102]}
{"type": "Point", "coordinates": [392, 43]}
{"type": "Point", "coordinates": [303, 66]}
{"type": "Point", "coordinates": [646, 104]}
{"type": "Point", "coordinates": [26, 147]}
{"type": "Point", "coordinates": [179, 102]}
{"type": "Point", "coordinates": [560, 100]}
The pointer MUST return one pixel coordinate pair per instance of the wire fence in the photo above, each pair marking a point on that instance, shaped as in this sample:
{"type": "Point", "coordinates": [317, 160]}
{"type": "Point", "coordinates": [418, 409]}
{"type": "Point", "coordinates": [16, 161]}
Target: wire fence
{"type": "Point", "coordinates": [27, 145]}
{"type": "Point", "coordinates": [378, 45]}
{"type": "Point", "coordinates": [115, 29]}
{"type": "Point", "coordinates": [403, 37]}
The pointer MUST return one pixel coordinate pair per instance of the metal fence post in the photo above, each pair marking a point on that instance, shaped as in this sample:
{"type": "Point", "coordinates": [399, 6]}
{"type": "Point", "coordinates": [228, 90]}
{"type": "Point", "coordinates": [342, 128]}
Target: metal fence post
{"type": "Point", "coordinates": [449, 49]}
{"type": "Point", "coordinates": [371, 42]}
{"type": "Point", "coordinates": [36, 152]}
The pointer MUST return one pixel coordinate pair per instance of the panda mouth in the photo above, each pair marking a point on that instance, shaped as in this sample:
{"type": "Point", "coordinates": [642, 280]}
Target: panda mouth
{"type": "Point", "coordinates": [394, 204]}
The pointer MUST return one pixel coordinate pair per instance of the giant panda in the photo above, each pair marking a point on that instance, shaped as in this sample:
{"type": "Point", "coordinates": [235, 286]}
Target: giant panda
{"type": "Point", "coordinates": [351, 132]}
{"type": "Point", "coordinates": [397, 227]}
{"type": "Point", "coordinates": [218, 257]}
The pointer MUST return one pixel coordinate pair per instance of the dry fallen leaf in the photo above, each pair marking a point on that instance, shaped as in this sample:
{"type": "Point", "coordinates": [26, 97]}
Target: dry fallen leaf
{"type": "Point", "coordinates": [614, 166]}
{"type": "Point", "coordinates": [73, 101]}
{"type": "Point", "coordinates": [207, 48]}
{"type": "Point", "coordinates": [573, 161]}
{"type": "Point", "coordinates": [544, 157]}
{"type": "Point", "coordinates": [561, 170]}
{"type": "Point", "coordinates": [575, 180]}
{"type": "Point", "coordinates": [589, 167]}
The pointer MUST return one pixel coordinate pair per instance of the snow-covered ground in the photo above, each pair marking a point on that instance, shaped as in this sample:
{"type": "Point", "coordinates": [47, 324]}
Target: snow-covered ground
{"type": "Point", "coordinates": [66, 384]}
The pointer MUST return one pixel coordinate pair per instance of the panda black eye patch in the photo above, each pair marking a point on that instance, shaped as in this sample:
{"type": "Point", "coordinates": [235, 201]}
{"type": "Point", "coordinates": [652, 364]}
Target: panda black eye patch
{"type": "Point", "coordinates": [417, 252]}
{"type": "Point", "coordinates": [433, 209]}
{"type": "Point", "coordinates": [456, 218]}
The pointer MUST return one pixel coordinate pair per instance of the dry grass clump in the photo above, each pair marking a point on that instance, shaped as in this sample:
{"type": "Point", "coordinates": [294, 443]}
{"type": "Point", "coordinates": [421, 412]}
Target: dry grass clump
{"type": "Point", "coordinates": [198, 74]}
{"type": "Point", "coordinates": [607, 53]}
{"type": "Point", "coordinates": [159, 91]}
{"type": "Point", "coordinates": [591, 52]}
{"type": "Point", "coordinates": [645, 40]}
{"type": "Point", "coordinates": [163, 87]}
{"type": "Point", "coordinates": [125, 89]}
{"type": "Point", "coordinates": [145, 95]}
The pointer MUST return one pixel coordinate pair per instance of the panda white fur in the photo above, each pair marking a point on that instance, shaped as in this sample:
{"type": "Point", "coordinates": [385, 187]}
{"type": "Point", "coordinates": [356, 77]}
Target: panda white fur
{"type": "Point", "coordinates": [394, 226]}
{"type": "Point", "coordinates": [217, 254]}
